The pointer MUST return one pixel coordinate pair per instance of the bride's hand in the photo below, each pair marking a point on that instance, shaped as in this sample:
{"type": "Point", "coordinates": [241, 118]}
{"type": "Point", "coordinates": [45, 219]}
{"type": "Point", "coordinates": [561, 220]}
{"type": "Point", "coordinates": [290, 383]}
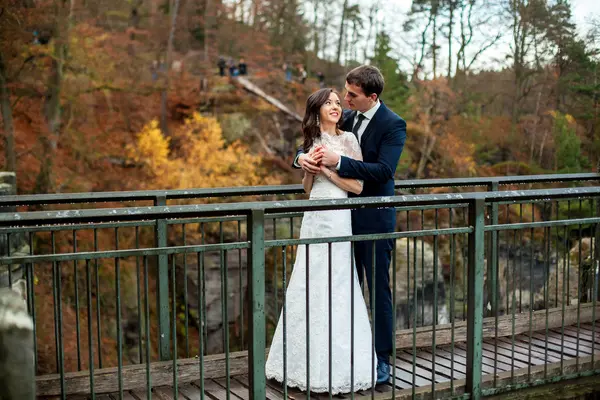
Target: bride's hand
{"type": "Point", "coordinates": [316, 153]}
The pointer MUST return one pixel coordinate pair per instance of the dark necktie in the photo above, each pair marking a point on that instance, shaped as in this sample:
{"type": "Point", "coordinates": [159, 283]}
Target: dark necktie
{"type": "Point", "coordinates": [361, 118]}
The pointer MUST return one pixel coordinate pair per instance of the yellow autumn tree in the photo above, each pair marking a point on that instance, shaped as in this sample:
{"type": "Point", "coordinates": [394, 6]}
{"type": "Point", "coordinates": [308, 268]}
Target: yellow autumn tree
{"type": "Point", "coordinates": [201, 159]}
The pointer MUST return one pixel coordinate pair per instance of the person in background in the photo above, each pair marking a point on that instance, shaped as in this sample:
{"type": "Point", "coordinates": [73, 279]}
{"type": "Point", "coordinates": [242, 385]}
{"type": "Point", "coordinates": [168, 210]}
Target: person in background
{"type": "Point", "coordinates": [303, 74]}
{"type": "Point", "coordinates": [321, 79]}
{"type": "Point", "coordinates": [242, 67]}
{"type": "Point", "coordinates": [221, 64]}
{"type": "Point", "coordinates": [288, 71]}
{"type": "Point", "coordinates": [232, 67]}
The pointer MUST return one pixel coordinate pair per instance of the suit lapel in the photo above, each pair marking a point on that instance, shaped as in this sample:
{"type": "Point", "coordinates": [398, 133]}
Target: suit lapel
{"type": "Point", "coordinates": [348, 121]}
{"type": "Point", "coordinates": [371, 126]}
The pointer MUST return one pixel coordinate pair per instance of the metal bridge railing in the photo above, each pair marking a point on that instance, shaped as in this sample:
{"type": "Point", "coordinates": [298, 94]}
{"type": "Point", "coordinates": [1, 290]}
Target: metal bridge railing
{"type": "Point", "coordinates": [141, 278]}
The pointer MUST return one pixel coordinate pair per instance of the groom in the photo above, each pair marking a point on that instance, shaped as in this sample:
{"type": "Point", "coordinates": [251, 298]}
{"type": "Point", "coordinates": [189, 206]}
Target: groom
{"type": "Point", "coordinates": [381, 134]}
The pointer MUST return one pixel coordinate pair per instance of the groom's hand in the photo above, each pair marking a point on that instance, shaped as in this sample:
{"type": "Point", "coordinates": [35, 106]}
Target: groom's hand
{"type": "Point", "coordinates": [329, 159]}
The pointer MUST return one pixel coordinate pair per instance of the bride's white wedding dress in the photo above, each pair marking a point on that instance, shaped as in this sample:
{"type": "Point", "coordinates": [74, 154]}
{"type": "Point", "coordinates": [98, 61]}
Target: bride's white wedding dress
{"type": "Point", "coordinates": [324, 224]}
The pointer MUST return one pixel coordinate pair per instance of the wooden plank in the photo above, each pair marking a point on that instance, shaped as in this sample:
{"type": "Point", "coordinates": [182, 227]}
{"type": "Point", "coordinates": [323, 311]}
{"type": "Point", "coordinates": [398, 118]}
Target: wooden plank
{"type": "Point", "coordinates": [214, 390]}
{"type": "Point", "coordinates": [517, 352]}
{"type": "Point", "coordinates": [443, 334]}
{"type": "Point", "coordinates": [140, 394]}
{"type": "Point", "coordinates": [426, 363]}
{"type": "Point", "coordinates": [134, 376]}
{"type": "Point", "coordinates": [166, 393]}
{"type": "Point", "coordinates": [564, 345]}
{"type": "Point", "coordinates": [574, 340]}
{"type": "Point", "coordinates": [427, 375]}
{"type": "Point", "coordinates": [126, 396]}
{"type": "Point", "coordinates": [590, 327]}
{"type": "Point", "coordinates": [507, 356]}
{"type": "Point", "coordinates": [486, 359]}
{"type": "Point", "coordinates": [272, 392]}
{"type": "Point", "coordinates": [235, 387]}
{"type": "Point", "coordinates": [190, 391]}
{"type": "Point", "coordinates": [524, 348]}
{"type": "Point", "coordinates": [459, 369]}
{"type": "Point", "coordinates": [572, 332]}
{"type": "Point", "coordinates": [406, 376]}
{"type": "Point", "coordinates": [542, 344]}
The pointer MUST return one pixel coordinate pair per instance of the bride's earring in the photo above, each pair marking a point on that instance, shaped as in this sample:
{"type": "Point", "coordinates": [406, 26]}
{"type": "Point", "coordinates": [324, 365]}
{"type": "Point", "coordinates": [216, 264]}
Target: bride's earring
{"type": "Point", "coordinates": [318, 121]}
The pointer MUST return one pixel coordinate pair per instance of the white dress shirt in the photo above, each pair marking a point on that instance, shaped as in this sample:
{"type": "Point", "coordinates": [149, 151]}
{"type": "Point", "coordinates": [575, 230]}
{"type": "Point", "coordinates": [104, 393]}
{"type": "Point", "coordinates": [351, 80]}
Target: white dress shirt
{"type": "Point", "coordinates": [369, 114]}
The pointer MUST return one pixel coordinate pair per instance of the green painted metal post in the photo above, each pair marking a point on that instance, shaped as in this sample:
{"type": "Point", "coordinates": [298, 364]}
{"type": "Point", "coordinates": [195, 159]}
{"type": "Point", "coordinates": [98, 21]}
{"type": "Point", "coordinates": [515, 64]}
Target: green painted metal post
{"type": "Point", "coordinates": [162, 295]}
{"type": "Point", "coordinates": [475, 297]}
{"type": "Point", "coordinates": [256, 291]}
{"type": "Point", "coordinates": [492, 265]}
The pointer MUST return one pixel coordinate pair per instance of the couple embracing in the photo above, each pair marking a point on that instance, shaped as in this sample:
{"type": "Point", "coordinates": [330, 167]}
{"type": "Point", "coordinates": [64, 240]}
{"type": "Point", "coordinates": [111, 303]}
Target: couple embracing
{"type": "Point", "coordinates": [346, 153]}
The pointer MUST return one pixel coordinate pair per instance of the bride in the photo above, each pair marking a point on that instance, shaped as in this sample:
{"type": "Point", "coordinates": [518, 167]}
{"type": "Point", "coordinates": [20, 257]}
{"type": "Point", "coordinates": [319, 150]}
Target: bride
{"type": "Point", "coordinates": [321, 130]}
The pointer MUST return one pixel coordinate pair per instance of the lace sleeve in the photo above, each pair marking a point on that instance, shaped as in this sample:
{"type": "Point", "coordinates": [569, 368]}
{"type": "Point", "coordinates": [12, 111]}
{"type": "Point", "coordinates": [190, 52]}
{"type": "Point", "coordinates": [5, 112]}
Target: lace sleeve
{"type": "Point", "coordinates": [352, 149]}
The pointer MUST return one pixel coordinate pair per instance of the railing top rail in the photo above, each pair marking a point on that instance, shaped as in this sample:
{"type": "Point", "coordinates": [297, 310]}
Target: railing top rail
{"type": "Point", "coordinates": [152, 195]}
{"type": "Point", "coordinates": [269, 207]}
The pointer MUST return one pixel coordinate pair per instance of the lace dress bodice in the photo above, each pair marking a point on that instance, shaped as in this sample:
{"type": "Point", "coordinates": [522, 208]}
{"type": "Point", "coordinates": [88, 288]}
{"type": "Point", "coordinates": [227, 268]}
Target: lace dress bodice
{"type": "Point", "coordinates": [344, 144]}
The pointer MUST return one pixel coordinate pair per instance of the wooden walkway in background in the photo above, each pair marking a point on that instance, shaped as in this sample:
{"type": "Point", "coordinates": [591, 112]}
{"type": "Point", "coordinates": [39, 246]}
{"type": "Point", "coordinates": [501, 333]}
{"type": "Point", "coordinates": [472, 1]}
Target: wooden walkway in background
{"type": "Point", "coordinates": [504, 362]}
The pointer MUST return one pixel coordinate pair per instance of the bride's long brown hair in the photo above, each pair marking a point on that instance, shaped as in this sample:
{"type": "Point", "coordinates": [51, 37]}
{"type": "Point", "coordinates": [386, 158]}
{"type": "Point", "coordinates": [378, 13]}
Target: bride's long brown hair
{"type": "Point", "coordinates": [310, 128]}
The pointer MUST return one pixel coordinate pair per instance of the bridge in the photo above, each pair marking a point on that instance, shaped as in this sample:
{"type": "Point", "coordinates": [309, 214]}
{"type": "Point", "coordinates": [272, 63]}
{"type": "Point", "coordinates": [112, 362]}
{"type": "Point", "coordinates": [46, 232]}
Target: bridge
{"type": "Point", "coordinates": [175, 294]}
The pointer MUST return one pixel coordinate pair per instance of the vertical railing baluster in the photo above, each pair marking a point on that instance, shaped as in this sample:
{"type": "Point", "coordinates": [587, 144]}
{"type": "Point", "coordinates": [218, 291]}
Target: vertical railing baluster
{"type": "Point", "coordinates": [118, 312]}
{"type": "Point", "coordinates": [394, 309]}
{"type": "Point", "coordinates": [185, 295]}
{"type": "Point", "coordinates": [174, 323]}
{"type": "Point", "coordinates": [330, 319]}
{"type": "Point", "coordinates": [240, 288]}
{"type": "Point", "coordinates": [77, 320]}
{"type": "Point", "coordinates": [88, 280]}
{"type": "Point", "coordinates": [284, 316]}
{"type": "Point", "coordinates": [475, 297]}
{"type": "Point", "coordinates": [139, 296]}
{"type": "Point", "coordinates": [203, 285]}
{"type": "Point", "coordinates": [493, 254]}
{"type": "Point", "coordinates": [98, 315]}
{"type": "Point", "coordinates": [61, 349]}
{"type": "Point", "coordinates": [147, 330]}
{"type": "Point", "coordinates": [452, 299]}
{"type": "Point", "coordinates": [256, 290]}
{"type": "Point", "coordinates": [307, 319]}
{"type": "Point", "coordinates": [31, 297]}
{"type": "Point", "coordinates": [162, 284]}
{"type": "Point", "coordinates": [200, 277]}
{"type": "Point", "coordinates": [353, 268]}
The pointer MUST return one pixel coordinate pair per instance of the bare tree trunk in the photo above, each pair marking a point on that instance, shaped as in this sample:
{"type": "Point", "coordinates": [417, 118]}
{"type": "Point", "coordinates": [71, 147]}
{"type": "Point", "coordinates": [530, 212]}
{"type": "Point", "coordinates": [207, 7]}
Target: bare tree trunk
{"type": "Point", "coordinates": [423, 47]}
{"type": "Point", "coordinates": [6, 109]}
{"type": "Point", "coordinates": [316, 39]}
{"type": "Point", "coordinates": [341, 35]}
{"type": "Point", "coordinates": [372, 15]}
{"type": "Point", "coordinates": [163, 99]}
{"type": "Point", "coordinates": [207, 27]}
{"type": "Point", "coordinates": [49, 142]}
{"type": "Point", "coordinates": [434, 11]}
{"type": "Point", "coordinates": [534, 133]}
{"type": "Point", "coordinates": [452, 7]}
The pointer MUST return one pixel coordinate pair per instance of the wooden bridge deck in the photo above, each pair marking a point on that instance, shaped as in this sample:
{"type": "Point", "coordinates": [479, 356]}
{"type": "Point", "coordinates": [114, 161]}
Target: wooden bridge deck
{"type": "Point", "coordinates": [529, 359]}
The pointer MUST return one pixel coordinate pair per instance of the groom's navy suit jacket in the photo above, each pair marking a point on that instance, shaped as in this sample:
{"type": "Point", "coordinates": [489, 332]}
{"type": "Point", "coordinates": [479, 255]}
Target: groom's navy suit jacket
{"type": "Point", "coordinates": [381, 144]}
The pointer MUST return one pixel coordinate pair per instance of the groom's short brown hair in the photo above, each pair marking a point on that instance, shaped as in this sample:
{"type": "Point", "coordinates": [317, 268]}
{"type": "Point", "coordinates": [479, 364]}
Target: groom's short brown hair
{"type": "Point", "coordinates": [368, 78]}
